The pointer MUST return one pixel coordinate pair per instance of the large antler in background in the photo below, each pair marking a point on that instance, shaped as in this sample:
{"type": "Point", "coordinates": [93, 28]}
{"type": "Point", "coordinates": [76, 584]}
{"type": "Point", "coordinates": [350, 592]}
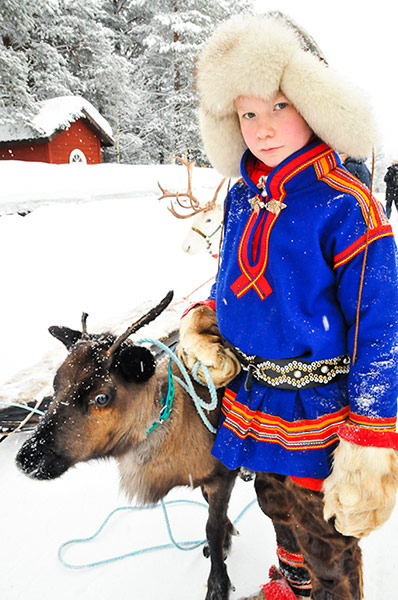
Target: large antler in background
{"type": "Point", "coordinates": [193, 205]}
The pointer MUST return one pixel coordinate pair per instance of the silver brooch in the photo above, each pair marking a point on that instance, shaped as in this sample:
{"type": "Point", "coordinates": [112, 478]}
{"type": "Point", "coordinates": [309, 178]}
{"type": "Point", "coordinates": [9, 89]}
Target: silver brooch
{"type": "Point", "coordinates": [256, 203]}
{"type": "Point", "coordinates": [261, 185]}
{"type": "Point", "coordinates": [275, 207]}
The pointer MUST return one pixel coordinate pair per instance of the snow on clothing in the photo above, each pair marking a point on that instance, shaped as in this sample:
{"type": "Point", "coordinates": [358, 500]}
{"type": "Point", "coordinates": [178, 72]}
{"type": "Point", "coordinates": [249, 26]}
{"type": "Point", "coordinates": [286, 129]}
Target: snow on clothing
{"type": "Point", "coordinates": [288, 288]}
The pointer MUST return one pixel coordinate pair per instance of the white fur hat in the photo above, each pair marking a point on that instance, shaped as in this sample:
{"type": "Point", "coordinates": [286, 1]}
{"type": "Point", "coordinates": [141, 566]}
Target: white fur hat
{"type": "Point", "coordinates": [258, 56]}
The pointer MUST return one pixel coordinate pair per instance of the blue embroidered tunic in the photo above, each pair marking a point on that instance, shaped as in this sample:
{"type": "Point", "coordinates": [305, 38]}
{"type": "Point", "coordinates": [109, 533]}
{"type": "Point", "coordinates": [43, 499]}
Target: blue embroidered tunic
{"type": "Point", "coordinates": [288, 287]}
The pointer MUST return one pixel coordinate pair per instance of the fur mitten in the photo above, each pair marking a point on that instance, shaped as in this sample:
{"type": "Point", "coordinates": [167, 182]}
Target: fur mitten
{"type": "Point", "coordinates": [361, 490]}
{"type": "Point", "coordinates": [200, 340]}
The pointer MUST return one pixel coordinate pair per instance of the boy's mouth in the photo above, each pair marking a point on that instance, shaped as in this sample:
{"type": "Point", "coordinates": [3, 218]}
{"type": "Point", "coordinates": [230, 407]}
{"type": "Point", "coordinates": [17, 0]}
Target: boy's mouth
{"type": "Point", "coordinates": [266, 150]}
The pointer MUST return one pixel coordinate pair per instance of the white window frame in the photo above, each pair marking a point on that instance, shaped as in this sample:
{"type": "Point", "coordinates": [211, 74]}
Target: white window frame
{"type": "Point", "coordinates": [78, 154]}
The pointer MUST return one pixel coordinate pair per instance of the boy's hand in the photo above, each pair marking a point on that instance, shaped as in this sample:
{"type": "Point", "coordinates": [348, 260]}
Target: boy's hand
{"type": "Point", "coordinates": [200, 340]}
{"type": "Point", "coordinates": [360, 492]}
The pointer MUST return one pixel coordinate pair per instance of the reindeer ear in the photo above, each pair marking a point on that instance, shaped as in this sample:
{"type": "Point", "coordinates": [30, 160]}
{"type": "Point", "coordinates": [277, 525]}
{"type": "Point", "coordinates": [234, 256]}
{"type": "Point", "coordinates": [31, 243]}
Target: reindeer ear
{"type": "Point", "coordinates": [65, 335]}
{"type": "Point", "coordinates": [134, 363]}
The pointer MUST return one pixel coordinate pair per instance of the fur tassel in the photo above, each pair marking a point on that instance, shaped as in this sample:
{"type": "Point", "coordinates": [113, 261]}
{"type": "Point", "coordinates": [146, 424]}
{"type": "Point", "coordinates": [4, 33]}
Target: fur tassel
{"type": "Point", "coordinates": [361, 491]}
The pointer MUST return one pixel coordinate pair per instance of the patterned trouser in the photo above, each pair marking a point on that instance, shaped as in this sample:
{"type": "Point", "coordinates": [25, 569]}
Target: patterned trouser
{"type": "Point", "coordinates": [310, 550]}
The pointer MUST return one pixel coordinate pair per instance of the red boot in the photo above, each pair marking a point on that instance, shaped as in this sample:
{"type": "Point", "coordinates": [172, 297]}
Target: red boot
{"type": "Point", "coordinates": [277, 589]}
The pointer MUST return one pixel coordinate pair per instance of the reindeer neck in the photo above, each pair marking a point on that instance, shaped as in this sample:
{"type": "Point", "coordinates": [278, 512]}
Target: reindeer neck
{"type": "Point", "coordinates": [176, 452]}
{"type": "Point", "coordinates": [164, 407]}
{"type": "Point", "coordinates": [166, 392]}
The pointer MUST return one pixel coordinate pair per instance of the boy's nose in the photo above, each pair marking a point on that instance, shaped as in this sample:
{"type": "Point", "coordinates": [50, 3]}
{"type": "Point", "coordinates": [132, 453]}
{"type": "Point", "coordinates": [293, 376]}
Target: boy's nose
{"type": "Point", "coordinates": [264, 130]}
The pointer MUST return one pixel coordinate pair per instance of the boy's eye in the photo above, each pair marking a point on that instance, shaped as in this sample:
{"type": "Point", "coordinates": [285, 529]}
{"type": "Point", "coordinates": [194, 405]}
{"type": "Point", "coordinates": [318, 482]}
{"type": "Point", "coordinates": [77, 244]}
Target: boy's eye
{"type": "Point", "coordinates": [280, 105]}
{"type": "Point", "coordinates": [249, 115]}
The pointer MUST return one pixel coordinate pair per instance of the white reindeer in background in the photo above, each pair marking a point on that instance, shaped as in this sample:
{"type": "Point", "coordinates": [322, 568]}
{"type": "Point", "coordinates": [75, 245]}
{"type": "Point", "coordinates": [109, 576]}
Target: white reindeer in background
{"type": "Point", "coordinates": [205, 233]}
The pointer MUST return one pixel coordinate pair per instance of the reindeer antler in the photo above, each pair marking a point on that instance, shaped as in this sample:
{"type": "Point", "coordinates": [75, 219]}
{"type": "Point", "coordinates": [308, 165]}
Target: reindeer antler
{"type": "Point", "coordinates": [193, 204]}
{"type": "Point", "coordinates": [150, 316]}
{"type": "Point", "coordinates": [212, 202]}
{"type": "Point", "coordinates": [208, 206]}
{"type": "Point", "coordinates": [84, 324]}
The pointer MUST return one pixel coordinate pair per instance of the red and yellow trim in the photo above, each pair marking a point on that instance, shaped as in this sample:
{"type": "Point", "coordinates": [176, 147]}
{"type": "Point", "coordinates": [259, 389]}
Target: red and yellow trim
{"type": "Point", "coordinates": [253, 276]}
{"type": "Point", "coordinates": [297, 435]}
{"type": "Point", "coordinates": [375, 423]}
{"type": "Point", "coordinates": [293, 559]}
{"type": "Point", "coordinates": [368, 437]}
{"type": "Point", "coordinates": [342, 181]}
{"type": "Point", "coordinates": [312, 157]}
{"type": "Point", "coordinates": [359, 245]}
{"type": "Point", "coordinates": [372, 211]}
{"type": "Point", "coordinates": [378, 432]}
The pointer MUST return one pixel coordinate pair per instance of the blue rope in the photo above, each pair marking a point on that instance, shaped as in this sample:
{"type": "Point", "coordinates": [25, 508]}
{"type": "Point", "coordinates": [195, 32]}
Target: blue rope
{"type": "Point", "coordinates": [24, 406]}
{"type": "Point", "coordinates": [184, 546]}
{"type": "Point", "coordinates": [200, 404]}
{"type": "Point", "coordinates": [167, 403]}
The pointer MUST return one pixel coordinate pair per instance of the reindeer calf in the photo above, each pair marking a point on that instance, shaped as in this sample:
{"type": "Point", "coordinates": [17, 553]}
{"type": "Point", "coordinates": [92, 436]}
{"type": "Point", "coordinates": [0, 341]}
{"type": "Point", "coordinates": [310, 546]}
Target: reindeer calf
{"type": "Point", "coordinates": [106, 398]}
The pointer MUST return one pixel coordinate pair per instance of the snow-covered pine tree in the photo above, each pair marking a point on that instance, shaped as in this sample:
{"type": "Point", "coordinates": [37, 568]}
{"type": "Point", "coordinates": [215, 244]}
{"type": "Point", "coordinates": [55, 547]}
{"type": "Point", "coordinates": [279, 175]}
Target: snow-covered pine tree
{"type": "Point", "coordinates": [163, 72]}
{"type": "Point", "coordinates": [72, 51]}
{"type": "Point", "coordinates": [125, 18]}
{"type": "Point", "coordinates": [60, 47]}
{"type": "Point", "coordinates": [85, 46]}
{"type": "Point", "coordinates": [16, 23]}
{"type": "Point", "coordinates": [49, 70]}
{"type": "Point", "coordinates": [132, 59]}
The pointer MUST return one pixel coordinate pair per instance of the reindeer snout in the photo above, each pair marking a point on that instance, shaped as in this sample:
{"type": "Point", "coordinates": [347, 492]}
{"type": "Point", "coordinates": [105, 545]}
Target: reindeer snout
{"type": "Point", "coordinates": [38, 460]}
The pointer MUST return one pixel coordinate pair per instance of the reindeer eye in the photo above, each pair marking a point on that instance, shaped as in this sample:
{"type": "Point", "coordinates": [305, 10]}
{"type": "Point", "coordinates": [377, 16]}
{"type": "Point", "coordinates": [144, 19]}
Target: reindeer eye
{"type": "Point", "coordinates": [101, 399]}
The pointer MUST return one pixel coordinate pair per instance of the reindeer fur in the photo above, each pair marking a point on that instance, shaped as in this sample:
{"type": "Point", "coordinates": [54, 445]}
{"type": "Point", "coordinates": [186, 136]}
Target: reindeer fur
{"type": "Point", "coordinates": [103, 406]}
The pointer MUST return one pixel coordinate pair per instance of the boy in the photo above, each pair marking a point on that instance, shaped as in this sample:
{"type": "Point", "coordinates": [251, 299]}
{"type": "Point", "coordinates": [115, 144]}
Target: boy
{"type": "Point", "coordinates": [304, 376]}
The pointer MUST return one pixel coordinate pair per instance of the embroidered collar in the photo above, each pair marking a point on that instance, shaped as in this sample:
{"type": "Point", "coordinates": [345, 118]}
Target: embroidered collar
{"type": "Point", "coordinates": [295, 172]}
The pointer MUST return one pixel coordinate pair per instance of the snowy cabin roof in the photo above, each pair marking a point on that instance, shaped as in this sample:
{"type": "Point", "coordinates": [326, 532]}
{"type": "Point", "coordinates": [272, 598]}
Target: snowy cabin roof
{"type": "Point", "coordinates": [53, 116]}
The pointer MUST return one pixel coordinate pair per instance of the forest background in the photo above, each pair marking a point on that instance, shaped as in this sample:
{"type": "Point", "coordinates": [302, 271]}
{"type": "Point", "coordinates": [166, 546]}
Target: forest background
{"type": "Point", "coordinates": [134, 61]}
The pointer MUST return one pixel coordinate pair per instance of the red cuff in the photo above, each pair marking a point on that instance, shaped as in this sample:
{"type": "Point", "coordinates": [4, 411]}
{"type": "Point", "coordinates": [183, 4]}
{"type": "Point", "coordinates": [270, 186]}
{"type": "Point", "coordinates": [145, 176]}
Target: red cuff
{"type": "Point", "coordinates": [368, 437]}
{"type": "Point", "coordinates": [316, 485]}
{"type": "Point", "coordinates": [208, 302]}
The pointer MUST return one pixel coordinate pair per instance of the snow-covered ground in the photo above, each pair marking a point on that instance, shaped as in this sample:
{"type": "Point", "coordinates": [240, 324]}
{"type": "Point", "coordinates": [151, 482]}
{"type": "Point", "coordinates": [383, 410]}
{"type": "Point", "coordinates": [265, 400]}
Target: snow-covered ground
{"type": "Point", "coordinates": [99, 241]}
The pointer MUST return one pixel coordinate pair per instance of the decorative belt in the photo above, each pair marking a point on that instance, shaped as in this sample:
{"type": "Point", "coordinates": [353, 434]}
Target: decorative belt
{"type": "Point", "coordinates": [292, 373]}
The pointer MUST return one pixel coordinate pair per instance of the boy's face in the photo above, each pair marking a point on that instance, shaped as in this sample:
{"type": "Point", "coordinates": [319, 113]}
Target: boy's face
{"type": "Point", "coordinates": [272, 129]}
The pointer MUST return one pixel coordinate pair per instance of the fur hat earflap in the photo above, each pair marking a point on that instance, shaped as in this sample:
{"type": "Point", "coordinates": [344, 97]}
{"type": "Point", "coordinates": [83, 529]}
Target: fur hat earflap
{"type": "Point", "coordinates": [259, 56]}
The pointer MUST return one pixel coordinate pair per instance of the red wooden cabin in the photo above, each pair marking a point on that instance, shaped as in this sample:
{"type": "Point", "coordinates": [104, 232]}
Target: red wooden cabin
{"type": "Point", "coordinates": [65, 130]}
